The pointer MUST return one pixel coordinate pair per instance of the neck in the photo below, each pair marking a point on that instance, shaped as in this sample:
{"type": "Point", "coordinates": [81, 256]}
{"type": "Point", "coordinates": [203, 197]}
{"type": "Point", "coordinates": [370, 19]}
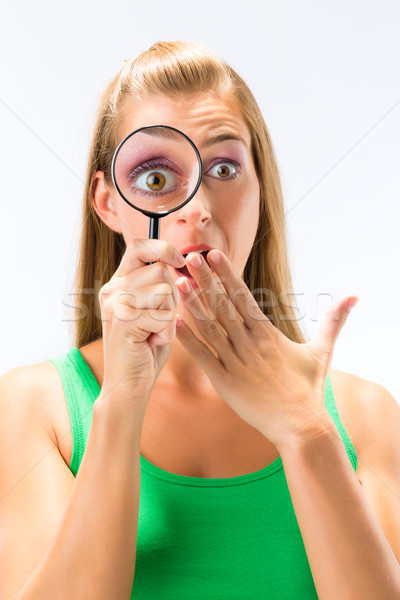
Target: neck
{"type": "Point", "coordinates": [183, 371]}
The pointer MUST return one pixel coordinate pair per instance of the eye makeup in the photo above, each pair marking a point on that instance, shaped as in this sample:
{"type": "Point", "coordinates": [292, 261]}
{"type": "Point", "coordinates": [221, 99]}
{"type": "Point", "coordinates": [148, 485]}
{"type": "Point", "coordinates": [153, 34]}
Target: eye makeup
{"type": "Point", "coordinates": [232, 164]}
{"type": "Point", "coordinates": [230, 151]}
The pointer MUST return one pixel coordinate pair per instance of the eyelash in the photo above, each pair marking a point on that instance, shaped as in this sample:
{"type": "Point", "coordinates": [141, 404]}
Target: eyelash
{"type": "Point", "coordinates": [229, 162]}
{"type": "Point", "coordinates": [154, 164]}
{"type": "Point", "coordinates": [150, 165]}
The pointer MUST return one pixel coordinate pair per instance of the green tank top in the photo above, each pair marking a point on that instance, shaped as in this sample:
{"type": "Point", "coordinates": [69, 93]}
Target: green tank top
{"type": "Point", "coordinates": [233, 538]}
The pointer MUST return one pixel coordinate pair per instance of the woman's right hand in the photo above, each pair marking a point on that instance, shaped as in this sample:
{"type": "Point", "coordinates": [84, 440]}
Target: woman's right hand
{"type": "Point", "coordinates": [138, 312]}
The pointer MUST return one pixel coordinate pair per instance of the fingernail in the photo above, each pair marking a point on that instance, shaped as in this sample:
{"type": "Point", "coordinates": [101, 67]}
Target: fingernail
{"type": "Point", "coordinates": [215, 257]}
{"type": "Point", "coordinates": [179, 321]}
{"type": "Point", "coordinates": [180, 258]}
{"type": "Point", "coordinates": [184, 285]}
{"type": "Point", "coordinates": [194, 260]}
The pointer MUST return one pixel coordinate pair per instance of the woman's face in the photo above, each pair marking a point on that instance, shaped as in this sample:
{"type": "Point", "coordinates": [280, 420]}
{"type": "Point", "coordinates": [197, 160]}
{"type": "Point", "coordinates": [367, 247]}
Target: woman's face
{"type": "Point", "coordinates": [224, 211]}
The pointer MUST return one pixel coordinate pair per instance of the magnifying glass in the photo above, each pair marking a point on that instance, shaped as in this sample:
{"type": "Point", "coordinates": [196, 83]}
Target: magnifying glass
{"type": "Point", "coordinates": [156, 169]}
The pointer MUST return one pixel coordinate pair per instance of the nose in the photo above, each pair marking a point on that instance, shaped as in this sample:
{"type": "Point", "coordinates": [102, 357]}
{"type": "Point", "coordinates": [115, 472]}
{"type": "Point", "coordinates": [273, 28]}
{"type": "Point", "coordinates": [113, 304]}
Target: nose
{"type": "Point", "coordinates": [196, 212]}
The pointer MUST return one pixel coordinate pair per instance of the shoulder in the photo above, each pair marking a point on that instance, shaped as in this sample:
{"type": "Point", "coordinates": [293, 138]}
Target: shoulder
{"type": "Point", "coordinates": [369, 412]}
{"type": "Point", "coordinates": [374, 416]}
{"type": "Point", "coordinates": [26, 394]}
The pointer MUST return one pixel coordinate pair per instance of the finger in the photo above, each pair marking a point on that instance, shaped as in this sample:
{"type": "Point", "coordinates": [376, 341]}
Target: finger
{"type": "Point", "coordinates": [213, 366]}
{"type": "Point", "coordinates": [218, 302]}
{"type": "Point", "coordinates": [239, 293]}
{"type": "Point", "coordinates": [145, 321]}
{"type": "Point", "coordinates": [140, 252]}
{"type": "Point", "coordinates": [323, 343]}
{"type": "Point", "coordinates": [206, 323]}
{"type": "Point", "coordinates": [154, 296]}
{"type": "Point", "coordinates": [146, 275]}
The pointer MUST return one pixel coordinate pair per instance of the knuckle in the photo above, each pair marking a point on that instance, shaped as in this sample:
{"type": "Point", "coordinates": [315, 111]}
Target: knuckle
{"type": "Point", "coordinates": [164, 288]}
{"type": "Point", "coordinates": [104, 291]}
{"type": "Point", "coordinates": [168, 250]}
{"type": "Point", "coordinates": [222, 304]}
{"type": "Point", "coordinates": [164, 294]}
{"type": "Point", "coordinates": [241, 295]}
{"type": "Point", "coordinates": [127, 298]}
{"type": "Point", "coordinates": [203, 353]}
{"type": "Point", "coordinates": [121, 314]}
{"type": "Point", "coordinates": [212, 329]}
{"type": "Point", "coordinates": [165, 247]}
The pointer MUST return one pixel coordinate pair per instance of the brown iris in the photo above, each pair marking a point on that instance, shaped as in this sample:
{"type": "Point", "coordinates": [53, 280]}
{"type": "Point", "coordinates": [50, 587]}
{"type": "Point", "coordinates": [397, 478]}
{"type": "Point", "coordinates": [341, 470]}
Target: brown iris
{"type": "Point", "coordinates": [223, 171]}
{"type": "Point", "coordinates": [155, 181]}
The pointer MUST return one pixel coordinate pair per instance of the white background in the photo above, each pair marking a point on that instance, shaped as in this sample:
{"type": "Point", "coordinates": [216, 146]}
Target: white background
{"type": "Point", "coordinates": [327, 78]}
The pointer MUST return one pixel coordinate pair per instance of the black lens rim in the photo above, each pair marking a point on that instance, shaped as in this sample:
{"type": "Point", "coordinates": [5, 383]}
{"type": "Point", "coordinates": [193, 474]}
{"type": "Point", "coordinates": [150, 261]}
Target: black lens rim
{"type": "Point", "coordinates": [147, 212]}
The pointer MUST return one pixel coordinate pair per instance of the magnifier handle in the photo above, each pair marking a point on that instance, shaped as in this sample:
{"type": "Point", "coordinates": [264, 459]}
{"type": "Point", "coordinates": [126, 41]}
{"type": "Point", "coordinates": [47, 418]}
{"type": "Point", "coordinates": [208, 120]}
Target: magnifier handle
{"type": "Point", "coordinates": [154, 230]}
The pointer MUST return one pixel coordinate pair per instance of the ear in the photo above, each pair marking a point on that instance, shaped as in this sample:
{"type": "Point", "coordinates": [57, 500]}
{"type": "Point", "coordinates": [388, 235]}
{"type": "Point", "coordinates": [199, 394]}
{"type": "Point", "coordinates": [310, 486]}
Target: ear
{"type": "Point", "coordinates": [103, 203]}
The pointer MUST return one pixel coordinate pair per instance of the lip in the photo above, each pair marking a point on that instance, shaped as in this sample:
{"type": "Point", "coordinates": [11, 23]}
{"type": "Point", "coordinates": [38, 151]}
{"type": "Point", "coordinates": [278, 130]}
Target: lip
{"type": "Point", "coordinates": [195, 248]}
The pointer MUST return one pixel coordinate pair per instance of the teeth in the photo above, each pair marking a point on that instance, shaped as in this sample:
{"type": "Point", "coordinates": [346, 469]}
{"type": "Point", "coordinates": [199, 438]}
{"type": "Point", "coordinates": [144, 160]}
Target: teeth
{"type": "Point", "coordinates": [203, 252]}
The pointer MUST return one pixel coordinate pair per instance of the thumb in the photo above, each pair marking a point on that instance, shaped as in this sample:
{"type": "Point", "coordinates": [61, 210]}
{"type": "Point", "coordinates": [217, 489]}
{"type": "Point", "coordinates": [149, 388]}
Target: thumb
{"type": "Point", "coordinates": [323, 342]}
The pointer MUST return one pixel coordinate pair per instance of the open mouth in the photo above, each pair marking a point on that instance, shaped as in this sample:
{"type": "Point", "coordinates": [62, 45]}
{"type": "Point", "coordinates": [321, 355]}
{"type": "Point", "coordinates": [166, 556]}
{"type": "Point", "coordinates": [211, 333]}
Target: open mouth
{"type": "Point", "coordinates": [185, 271]}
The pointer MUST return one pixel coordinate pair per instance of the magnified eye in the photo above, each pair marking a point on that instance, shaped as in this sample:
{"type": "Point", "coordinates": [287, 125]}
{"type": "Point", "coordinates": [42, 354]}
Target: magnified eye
{"type": "Point", "coordinates": [148, 179]}
{"type": "Point", "coordinates": [224, 170]}
{"type": "Point", "coordinates": [155, 181]}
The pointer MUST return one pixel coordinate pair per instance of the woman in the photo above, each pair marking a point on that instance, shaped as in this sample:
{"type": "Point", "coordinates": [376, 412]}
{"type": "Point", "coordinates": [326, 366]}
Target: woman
{"type": "Point", "coordinates": [210, 457]}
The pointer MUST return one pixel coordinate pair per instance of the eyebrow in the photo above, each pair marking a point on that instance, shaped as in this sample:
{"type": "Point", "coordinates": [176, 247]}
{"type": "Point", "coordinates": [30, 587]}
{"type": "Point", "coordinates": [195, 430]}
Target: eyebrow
{"type": "Point", "coordinates": [162, 132]}
{"type": "Point", "coordinates": [217, 139]}
{"type": "Point", "coordinates": [223, 137]}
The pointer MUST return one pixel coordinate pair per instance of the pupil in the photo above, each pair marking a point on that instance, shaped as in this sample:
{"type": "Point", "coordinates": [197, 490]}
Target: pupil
{"type": "Point", "coordinates": [155, 181]}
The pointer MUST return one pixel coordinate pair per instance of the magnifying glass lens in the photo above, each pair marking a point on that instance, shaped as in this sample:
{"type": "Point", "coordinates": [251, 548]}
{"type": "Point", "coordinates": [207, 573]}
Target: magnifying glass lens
{"type": "Point", "coordinates": [156, 169]}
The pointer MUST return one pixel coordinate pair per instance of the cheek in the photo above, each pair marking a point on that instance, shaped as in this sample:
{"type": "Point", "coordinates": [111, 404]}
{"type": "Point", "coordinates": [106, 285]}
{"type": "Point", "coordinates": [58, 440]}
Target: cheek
{"type": "Point", "coordinates": [244, 221]}
{"type": "Point", "coordinates": [244, 200]}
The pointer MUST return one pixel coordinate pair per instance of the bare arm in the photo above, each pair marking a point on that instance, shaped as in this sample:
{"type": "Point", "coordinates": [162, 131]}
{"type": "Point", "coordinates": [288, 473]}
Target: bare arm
{"type": "Point", "coordinates": [348, 553]}
{"type": "Point", "coordinates": [93, 554]}
{"type": "Point", "coordinates": [64, 538]}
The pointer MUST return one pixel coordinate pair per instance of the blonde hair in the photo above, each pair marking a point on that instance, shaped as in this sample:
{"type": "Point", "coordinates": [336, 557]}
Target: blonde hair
{"type": "Point", "coordinates": [176, 68]}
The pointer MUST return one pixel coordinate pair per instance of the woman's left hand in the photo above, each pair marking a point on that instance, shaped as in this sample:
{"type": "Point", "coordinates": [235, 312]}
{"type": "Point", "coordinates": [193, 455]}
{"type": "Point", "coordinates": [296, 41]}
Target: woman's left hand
{"type": "Point", "coordinates": [274, 384]}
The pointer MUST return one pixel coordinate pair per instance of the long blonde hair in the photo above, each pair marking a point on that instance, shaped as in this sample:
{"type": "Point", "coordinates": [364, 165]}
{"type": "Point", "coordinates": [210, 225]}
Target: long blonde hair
{"type": "Point", "coordinates": [176, 68]}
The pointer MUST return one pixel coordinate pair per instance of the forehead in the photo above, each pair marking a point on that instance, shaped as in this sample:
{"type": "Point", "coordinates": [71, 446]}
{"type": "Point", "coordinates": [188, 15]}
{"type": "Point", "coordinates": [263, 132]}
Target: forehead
{"type": "Point", "coordinates": [202, 117]}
